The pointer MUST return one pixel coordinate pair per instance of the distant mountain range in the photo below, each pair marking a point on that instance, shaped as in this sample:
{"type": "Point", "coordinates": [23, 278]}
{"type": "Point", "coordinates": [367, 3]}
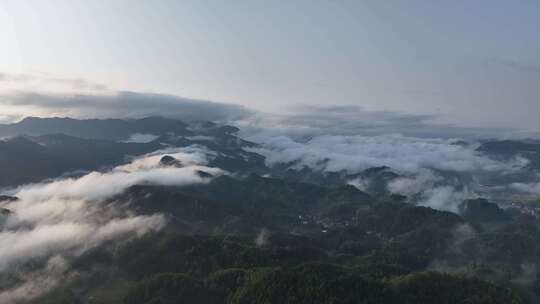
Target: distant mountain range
{"type": "Point", "coordinates": [40, 148]}
{"type": "Point", "coordinates": [108, 129]}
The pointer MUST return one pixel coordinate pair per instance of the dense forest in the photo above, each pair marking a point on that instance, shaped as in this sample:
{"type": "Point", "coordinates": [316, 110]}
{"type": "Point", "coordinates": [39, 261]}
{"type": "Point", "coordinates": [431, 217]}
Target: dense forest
{"type": "Point", "coordinates": [206, 219]}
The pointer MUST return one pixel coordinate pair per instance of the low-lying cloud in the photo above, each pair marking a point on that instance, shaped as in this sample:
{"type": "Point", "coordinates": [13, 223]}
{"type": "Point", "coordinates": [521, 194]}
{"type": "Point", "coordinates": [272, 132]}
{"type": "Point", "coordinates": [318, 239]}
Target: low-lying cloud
{"type": "Point", "coordinates": [65, 217]}
{"type": "Point", "coordinates": [410, 185]}
{"type": "Point", "coordinates": [434, 172]}
{"type": "Point", "coordinates": [38, 282]}
{"type": "Point", "coordinates": [529, 188]}
{"type": "Point", "coordinates": [446, 198]}
{"type": "Point", "coordinates": [331, 153]}
{"type": "Point", "coordinates": [141, 138]}
{"type": "Point", "coordinates": [427, 188]}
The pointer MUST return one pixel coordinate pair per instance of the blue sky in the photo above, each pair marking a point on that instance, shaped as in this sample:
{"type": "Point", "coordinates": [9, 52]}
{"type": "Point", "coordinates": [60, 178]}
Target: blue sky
{"type": "Point", "coordinates": [475, 63]}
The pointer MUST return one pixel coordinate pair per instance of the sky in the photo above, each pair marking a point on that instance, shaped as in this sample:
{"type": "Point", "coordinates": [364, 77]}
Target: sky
{"type": "Point", "coordinates": [466, 63]}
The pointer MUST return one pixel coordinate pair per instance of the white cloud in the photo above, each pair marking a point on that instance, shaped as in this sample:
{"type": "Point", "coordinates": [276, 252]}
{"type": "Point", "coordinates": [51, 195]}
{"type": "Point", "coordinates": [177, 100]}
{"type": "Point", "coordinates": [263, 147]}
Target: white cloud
{"type": "Point", "coordinates": [70, 238]}
{"type": "Point", "coordinates": [445, 198]}
{"type": "Point", "coordinates": [141, 138]}
{"type": "Point", "coordinates": [530, 188]}
{"type": "Point", "coordinates": [38, 282]}
{"type": "Point", "coordinates": [360, 183]}
{"type": "Point", "coordinates": [189, 156]}
{"type": "Point", "coordinates": [410, 185]}
{"type": "Point", "coordinates": [142, 170]}
{"type": "Point", "coordinates": [353, 154]}
{"type": "Point", "coordinates": [66, 217]}
{"type": "Point", "coordinates": [426, 188]}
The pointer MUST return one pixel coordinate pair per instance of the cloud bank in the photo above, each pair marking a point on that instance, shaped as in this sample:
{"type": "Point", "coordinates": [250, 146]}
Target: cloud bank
{"type": "Point", "coordinates": [427, 188]}
{"type": "Point", "coordinates": [329, 153]}
{"type": "Point", "coordinates": [117, 105]}
{"type": "Point", "coordinates": [434, 172]}
{"type": "Point", "coordinates": [64, 218]}
{"type": "Point", "coordinates": [295, 121]}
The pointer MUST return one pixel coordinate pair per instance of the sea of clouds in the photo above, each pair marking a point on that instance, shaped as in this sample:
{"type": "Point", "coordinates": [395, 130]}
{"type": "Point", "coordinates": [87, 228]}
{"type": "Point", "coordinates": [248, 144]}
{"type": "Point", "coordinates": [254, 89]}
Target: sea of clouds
{"type": "Point", "coordinates": [436, 172]}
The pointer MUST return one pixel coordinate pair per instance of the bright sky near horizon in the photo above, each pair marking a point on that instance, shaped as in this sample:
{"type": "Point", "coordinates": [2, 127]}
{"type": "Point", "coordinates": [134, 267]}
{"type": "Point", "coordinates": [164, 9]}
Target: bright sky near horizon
{"type": "Point", "coordinates": [477, 63]}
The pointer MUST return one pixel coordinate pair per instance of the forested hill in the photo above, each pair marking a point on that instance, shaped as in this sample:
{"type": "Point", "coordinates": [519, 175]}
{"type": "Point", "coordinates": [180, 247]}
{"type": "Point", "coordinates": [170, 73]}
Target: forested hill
{"type": "Point", "coordinates": [160, 211]}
